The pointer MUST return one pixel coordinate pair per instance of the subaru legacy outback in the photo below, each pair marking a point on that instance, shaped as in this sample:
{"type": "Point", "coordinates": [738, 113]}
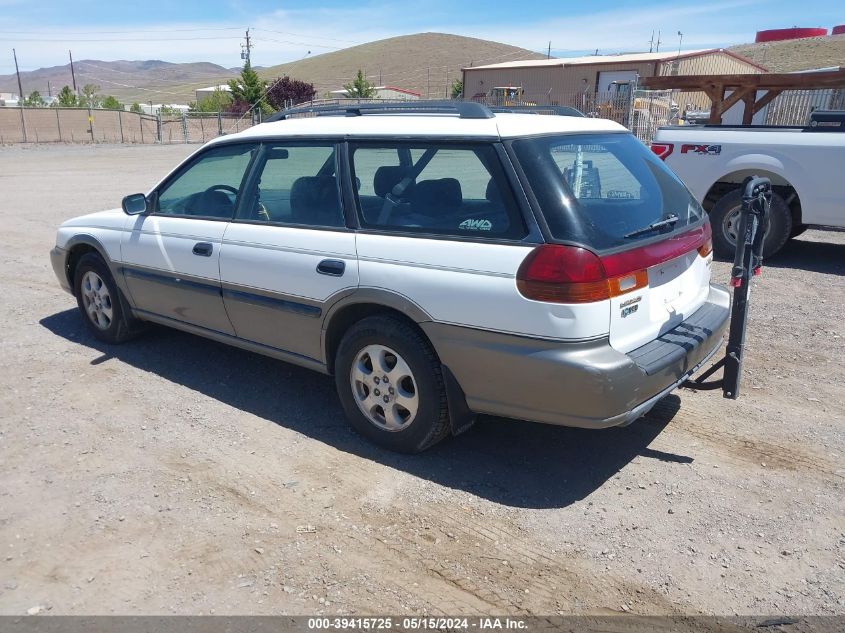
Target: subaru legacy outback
{"type": "Point", "coordinates": [439, 261]}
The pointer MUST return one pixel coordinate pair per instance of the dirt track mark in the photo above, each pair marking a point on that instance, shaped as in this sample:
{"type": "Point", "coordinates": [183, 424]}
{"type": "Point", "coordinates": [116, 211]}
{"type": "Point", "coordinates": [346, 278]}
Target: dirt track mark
{"type": "Point", "coordinates": [742, 449]}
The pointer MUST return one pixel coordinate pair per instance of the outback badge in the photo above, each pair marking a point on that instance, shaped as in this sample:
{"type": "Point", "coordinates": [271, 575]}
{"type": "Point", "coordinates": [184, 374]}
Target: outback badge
{"type": "Point", "coordinates": [630, 306]}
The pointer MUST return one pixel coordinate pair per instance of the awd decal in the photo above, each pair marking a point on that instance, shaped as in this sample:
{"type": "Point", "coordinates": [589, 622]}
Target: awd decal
{"type": "Point", "coordinates": [702, 150]}
{"type": "Point", "coordinates": [476, 225]}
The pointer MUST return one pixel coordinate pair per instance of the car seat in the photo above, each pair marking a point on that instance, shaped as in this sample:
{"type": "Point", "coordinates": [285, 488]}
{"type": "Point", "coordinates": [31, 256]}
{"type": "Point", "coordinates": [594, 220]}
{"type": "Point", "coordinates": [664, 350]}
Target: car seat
{"type": "Point", "coordinates": [314, 200]}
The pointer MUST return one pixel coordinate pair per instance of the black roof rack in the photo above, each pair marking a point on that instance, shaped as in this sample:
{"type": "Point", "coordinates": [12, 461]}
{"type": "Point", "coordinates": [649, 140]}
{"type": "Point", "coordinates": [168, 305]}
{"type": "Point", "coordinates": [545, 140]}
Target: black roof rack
{"type": "Point", "coordinates": [538, 109]}
{"type": "Point", "coordinates": [464, 109]}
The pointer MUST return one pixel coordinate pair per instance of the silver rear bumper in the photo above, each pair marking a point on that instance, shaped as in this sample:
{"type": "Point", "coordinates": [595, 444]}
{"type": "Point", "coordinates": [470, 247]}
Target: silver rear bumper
{"type": "Point", "coordinates": [583, 384]}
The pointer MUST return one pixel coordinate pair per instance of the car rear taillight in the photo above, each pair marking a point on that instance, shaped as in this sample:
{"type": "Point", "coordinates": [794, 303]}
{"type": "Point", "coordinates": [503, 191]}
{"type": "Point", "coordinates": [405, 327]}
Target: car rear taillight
{"type": "Point", "coordinates": [571, 274]}
{"type": "Point", "coordinates": [707, 247]}
{"type": "Point", "coordinates": [557, 273]}
{"type": "Point", "coordinates": [662, 149]}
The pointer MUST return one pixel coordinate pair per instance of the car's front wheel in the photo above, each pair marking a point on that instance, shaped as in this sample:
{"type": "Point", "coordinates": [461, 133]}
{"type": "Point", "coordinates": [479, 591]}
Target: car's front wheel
{"type": "Point", "coordinates": [391, 384]}
{"type": "Point", "coordinates": [98, 298]}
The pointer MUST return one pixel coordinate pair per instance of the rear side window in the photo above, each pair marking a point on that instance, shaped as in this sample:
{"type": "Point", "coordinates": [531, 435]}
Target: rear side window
{"type": "Point", "coordinates": [435, 188]}
{"type": "Point", "coordinates": [297, 184]}
{"type": "Point", "coordinates": [604, 190]}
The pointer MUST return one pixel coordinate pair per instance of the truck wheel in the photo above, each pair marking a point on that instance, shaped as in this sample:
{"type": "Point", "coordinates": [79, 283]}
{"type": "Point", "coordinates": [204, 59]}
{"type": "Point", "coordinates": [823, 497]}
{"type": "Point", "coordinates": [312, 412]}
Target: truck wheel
{"type": "Point", "coordinates": [391, 386]}
{"type": "Point", "coordinates": [100, 303]}
{"type": "Point", "coordinates": [724, 218]}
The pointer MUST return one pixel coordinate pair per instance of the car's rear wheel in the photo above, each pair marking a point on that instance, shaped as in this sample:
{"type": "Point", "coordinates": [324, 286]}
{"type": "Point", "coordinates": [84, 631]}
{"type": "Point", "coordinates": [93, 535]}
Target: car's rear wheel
{"type": "Point", "coordinates": [391, 385]}
{"type": "Point", "coordinates": [99, 301]}
{"type": "Point", "coordinates": [725, 216]}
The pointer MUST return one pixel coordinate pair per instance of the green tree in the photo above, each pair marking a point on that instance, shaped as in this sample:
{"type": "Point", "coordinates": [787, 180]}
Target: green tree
{"type": "Point", "coordinates": [34, 100]}
{"type": "Point", "coordinates": [457, 89]}
{"type": "Point", "coordinates": [249, 88]}
{"type": "Point", "coordinates": [89, 97]}
{"type": "Point", "coordinates": [218, 101]}
{"type": "Point", "coordinates": [67, 98]}
{"type": "Point", "coordinates": [136, 107]}
{"type": "Point", "coordinates": [110, 103]}
{"type": "Point", "coordinates": [360, 88]}
{"type": "Point", "coordinates": [167, 110]}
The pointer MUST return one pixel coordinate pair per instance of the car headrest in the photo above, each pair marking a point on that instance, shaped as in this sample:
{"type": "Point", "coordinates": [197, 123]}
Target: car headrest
{"type": "Point", "coordinates": [387, 177]}
{"type": "Point", "coordinates": [493, 193]}
{"type": "Point", "coordinates": [445, 192]}
{"type": "Point", "coordinates": [314, 200]}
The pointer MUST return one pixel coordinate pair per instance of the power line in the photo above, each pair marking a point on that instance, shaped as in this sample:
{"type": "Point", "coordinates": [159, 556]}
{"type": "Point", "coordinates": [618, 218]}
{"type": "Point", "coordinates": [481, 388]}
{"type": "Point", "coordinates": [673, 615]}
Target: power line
{"type": "Point", "coordinates": [122, 85]}
{"type": "Point", "coordinates": [199, 75]}
{"type": "Point", "coordinates": [46, 32]}
{"type": "Point", "coordinates": [331, 39]}
{"type": "Point", "coordinates": [269, 39]}
{"type": "Point", "coordinates": [123, 39]}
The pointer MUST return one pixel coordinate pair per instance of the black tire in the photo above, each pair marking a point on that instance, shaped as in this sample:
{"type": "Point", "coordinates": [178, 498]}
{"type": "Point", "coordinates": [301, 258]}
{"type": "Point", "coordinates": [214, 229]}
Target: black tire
{"type": "Point", "coordinates": [119, 326]}
{"type": "Point", "coordinates": [430, 424]}
{"type": "Point", "coordinates": [780, 225]}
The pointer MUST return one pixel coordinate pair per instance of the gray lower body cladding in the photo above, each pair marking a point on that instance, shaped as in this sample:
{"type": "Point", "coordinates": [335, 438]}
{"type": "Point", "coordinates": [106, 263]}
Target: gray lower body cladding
{"type": "Point", "coordinates": [58, 259]}
{"type": "Point", "coordinates": [583, 384]}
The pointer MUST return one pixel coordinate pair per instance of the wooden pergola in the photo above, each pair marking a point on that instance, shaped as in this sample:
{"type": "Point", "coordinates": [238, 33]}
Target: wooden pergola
{"type": "Point", "coordinates": [745, 88]}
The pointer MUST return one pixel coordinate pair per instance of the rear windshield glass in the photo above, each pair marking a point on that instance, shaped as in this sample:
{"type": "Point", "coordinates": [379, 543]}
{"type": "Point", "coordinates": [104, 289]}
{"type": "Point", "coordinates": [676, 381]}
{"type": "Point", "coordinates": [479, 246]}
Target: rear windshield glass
{"type": "Point", "coordinates": [604, 190]}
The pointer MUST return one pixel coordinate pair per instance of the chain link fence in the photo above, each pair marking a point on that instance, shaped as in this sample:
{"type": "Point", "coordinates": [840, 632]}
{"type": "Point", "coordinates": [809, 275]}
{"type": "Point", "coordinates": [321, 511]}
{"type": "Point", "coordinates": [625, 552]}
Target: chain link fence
{"type": "Point", "coordinates": [641, 111]}
{"type": "Point", "coordinates": [91, 125]}
{"type": "Point", "coordinates": [793, 107]}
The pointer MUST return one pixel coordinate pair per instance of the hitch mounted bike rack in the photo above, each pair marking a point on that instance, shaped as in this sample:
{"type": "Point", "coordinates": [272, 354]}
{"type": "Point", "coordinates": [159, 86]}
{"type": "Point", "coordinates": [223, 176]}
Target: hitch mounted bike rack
{"type": "Point", "coordinates": [748, 261]}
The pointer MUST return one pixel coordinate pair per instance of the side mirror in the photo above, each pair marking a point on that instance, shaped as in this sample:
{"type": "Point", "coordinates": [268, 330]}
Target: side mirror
{"type": "Point", "coordinates": [134, 204]}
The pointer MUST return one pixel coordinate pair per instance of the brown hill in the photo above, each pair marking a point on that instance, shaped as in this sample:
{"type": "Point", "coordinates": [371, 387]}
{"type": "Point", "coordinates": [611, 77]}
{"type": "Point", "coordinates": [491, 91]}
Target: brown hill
{"type": "Point", "coordinates": [148, 80]}
{"type": "Point", "coordinates": [425, 62]}
{"type": "Point", "coordinates": [791, 55]}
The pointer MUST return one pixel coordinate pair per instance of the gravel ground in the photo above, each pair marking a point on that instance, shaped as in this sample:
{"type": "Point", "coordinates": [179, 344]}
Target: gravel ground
{"type": "Point", "coordinates": [177, 475]}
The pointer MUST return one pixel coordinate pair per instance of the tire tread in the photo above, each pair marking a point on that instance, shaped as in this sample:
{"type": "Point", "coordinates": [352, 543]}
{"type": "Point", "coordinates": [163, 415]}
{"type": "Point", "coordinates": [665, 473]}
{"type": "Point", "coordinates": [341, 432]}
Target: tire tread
{"type": "Point", "coordinates": [391, 327]}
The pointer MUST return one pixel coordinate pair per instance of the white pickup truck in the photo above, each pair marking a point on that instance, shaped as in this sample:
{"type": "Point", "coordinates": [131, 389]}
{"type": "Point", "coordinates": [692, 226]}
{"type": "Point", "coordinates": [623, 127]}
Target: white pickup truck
{"type": "Point", "coordinates": [806, 167]}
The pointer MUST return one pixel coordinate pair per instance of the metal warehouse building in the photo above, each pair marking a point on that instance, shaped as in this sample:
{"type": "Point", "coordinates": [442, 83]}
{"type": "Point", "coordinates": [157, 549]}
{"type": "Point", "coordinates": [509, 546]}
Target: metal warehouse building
{"type": "Point", "coordinates": [579, 81]}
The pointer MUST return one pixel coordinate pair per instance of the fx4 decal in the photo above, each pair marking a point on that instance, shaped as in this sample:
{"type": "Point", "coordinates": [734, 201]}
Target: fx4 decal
{"type": "Point", "coordinates": [701, 150]}
{"type": "Point", "coordinates": [476, 225]}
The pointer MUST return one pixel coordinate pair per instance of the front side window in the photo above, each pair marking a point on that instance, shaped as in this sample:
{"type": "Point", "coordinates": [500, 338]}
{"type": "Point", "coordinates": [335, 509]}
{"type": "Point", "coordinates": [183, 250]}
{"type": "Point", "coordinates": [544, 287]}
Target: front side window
{"type": "Point", "coordinates": [297, 184]}
{"type": "Point", "coordinates": [435, 188]}
{"type": "Point", "coordinates": [604, 190]}
{"type": "Point", "coordinates": [209, 186]}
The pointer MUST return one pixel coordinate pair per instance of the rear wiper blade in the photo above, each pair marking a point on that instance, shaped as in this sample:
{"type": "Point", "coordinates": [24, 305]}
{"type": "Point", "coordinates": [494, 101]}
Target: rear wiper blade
{"type": "Point", "coordinates": [669, 220]}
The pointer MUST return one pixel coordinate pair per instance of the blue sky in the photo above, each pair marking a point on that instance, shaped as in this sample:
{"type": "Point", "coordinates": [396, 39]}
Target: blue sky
{"type": "Point", "coordinates": [211, 30]}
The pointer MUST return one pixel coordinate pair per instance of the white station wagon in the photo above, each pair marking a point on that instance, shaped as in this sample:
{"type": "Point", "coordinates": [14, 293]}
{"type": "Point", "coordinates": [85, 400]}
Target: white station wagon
{"type": "Point", "coordinates": [440, 260]}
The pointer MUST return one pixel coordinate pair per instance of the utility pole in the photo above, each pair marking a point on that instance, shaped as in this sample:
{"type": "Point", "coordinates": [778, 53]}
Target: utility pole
{"type": "Point", "coordinates": [18, 73]}
{"type": "Point", "coordinates": [246, 48]}
{"type": "Point", "coordinates": [428, 88]}
{"type": "Point", "coordinates": [651, 42]}
{"type": "Point", "coordinates": [72, 74]}
{"type": "Point", "coordinates": [20, 95]}
{"type": "Point", "coordinates": [657, 50]}
{"type": "Point", "coordinates": [49, 90]}
{"type": "Point", "coordinates": [549, 53]}
{"type": "Point", "coordinates": [680, 40]}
